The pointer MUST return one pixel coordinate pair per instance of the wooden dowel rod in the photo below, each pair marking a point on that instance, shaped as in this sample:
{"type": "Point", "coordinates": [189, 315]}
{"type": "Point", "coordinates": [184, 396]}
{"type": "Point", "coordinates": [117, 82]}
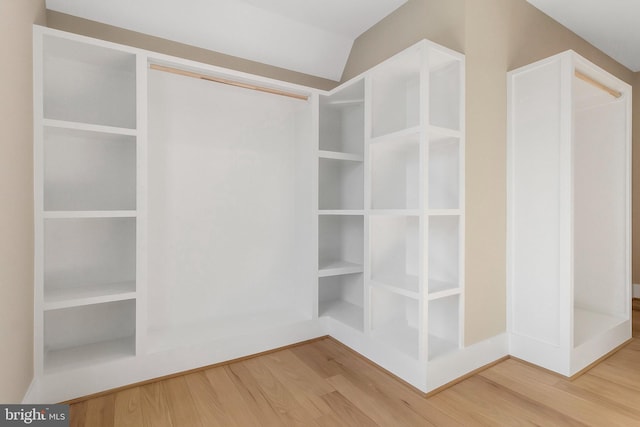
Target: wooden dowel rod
{"type": "Point", "coordinates": [584, 77]}
{"type": "Point", "coordinates": [226, 81]}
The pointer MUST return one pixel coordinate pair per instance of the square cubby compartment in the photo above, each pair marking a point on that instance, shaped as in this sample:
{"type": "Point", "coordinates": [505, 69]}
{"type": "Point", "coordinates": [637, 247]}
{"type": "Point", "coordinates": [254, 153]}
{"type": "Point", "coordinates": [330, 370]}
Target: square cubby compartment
{"type": "Point", "coordinates": [342, 120]}
{"type": "Point", "coordinates": [395, 173]}
{"type": "Point", "coordinates": [444, 253]}
{"type": "Point", "coordinates": [88, 171]}
{"type": "Point", "coordinates": [86, 335]}
{"type": "Point", "coordinates": [340, 240]}
{"type": "Point", "coordinates": [444, 172]}
{"type": "Point", "coordinates": [445, 89]}
{"type": "Point", "coordinates": [444, 326]}
{"type": "Point", "coordinates": [342, 297]}
{"type": "Point", "coordinates": [89, 84]}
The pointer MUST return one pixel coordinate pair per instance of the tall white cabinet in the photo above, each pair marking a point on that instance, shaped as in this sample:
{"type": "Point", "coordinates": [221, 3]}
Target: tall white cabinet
{"type": "Point", "coordinates": [569, 155]}
{"type": "Point", "coordinates": [181, 222]}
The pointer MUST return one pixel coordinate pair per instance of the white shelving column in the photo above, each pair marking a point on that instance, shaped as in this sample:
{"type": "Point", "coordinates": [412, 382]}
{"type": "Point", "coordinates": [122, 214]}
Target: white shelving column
{"type": "Point", "coordinates": [569, 281]}
{"type": "Point", "coordinates": [341, 206]}
{"type": "Point", "coordinates": [392, 279]}
{"type": "Point", "coordinates": [87, 163]}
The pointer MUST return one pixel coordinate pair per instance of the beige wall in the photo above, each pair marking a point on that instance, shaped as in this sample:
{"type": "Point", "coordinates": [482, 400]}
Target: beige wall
{"type": "Point", "coordinates": [110, 33]}
{"type": "Point", "coordinates": [496, 36]}
{"type": "Point", "coordinates": [16, 192]}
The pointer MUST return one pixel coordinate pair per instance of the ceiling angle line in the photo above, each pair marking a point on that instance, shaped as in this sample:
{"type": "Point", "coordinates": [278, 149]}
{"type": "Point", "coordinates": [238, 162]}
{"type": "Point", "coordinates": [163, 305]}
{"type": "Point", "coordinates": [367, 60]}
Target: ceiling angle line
{"type": "Point", "coordinates": [227, 81]}
{"type": "Point", "coordinates": [593, 82]}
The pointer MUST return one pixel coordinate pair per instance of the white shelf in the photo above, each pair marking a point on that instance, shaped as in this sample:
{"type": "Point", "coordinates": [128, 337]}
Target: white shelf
{"type": "Point", "coordinates": [410, 133]}
{"type": "Point", "coordinates": [381, 213]}
{"type": "Point", "coordinates": [341, 212]}
{"type": "Point", "coordinates": [338, 267]}
{"type": "Point", "coordinates": [407, 285]}
{"type": "Point", "coordinates": [438, 132]}
{"type": "Point", "coordinates": [444, 252]}
{"type": "Point", "coordinates": [589, 324]}
{"type": "Point", "coordinates": [340, 237]}
{"type": "Point", "coordinates": [395, 251]}
{"type": "Point", "coordinates": [88, 214]}
{"type": "Point", "coordinates": [337, 155]}
{"type": "Point", "coordinates": [444, 212]}
{"type": "Point", "coordinates": [65, 297]}
{"type": "Point", "coordinates": [445, 90]}
{"type": "Point", "coordinates": [439, 347]}
{"type": "Point", "coordinates": [441, 289]}
{"type": "Point", "coordinates": [340, 184]}
{"type": "Point", "coordinates": [89, 354]}
{"type": "Point", "coordinates": [344, 312]}
{"type": "Point", "coordinates": [88, 127]}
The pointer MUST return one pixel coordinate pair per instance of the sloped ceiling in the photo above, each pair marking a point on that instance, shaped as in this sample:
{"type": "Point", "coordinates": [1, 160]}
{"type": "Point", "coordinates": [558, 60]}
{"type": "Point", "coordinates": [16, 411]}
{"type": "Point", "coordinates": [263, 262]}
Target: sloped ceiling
{"type": "Point", "coordinates": [309, 36]}
{"type": "Point", "coordinates": [613, 26]}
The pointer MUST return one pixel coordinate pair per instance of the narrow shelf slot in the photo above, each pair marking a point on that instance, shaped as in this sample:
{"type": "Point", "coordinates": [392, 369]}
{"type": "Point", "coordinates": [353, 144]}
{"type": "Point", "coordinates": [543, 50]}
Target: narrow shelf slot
{"type": "Point", "coordinates": [444, 326]}
{"type": "Point", "coordinates": [88, 84]}
{"type": "Point", "coordinates": [444, 253]}
{"type": "Point", "coordinates": [395, 174]}
{"type": "Point", "coordinates": [83, 251]}
{"type": "Point", "coordinates": [87, 127]}
{"type": "Point", "coordinates": [341, 184]}
{"type": "Point", "coordinates": [335, 268]}
{"type": "Point", "coordinates": [342, 120]}
{"type": "Point", "coordinates": [395, 321]}
{"type": "Point", "coordinates": [63, 297]}
{"type": "Point", "coordinates": [342, 298]}
{"type": "Point", "coordinates": [87, 335]}
{"type": "Point", "coordinates": [445, 85]}
{"type": "Point", "coordinates": [88, 171]}
{"type": "Point", "coordinates": [395, 251]}
{"type": "Point", "coordinates": [337, 155]}
{"type": "Point", "coordinates": [340, 240]}
{"type": "Point", "coordinates": [396, 93]}
{"type": "Point", "coordinates": [444, 173]}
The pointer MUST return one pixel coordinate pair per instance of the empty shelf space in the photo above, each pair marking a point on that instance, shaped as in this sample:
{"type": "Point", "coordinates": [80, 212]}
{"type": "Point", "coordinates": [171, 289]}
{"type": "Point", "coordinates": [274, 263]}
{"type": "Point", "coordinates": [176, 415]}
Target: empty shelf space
{"type": "Point", "coordinates": [342, 120]}
{"type": "Point", "coordinates": [444, 173]}
{"type": "Point", "coordinates": [63, 297]}
{"type": "Point", "coordinates": [88, 127]}
{"type": "Point", "coordinates": [395, 174]}
{"type": "Point", "coordinates": [440, 289]}
{"type": "Point", "coordinates": [342, 298]}
{"type": "Point", "coordinates": [445, 90]}
{"type": "Point", "coordinates": [440, 347]}
{"type": "Point", "coordinates": [341, 212]}
{"type": "Point", "coordinates": [444, 325]}
{"type": "Point", "coordinates": [340, 239]}
{"type": "Point", "coordinates": [589, 324]}
{"type": "Point", "coordinates": [395, 251]}
{"type": "Point", "coordinates": [395, 319]}
{"type": "Point", "coordinates": [86, 170]}
{"type": "Point", "coordinates": [88, 83]}
{"type": "Point", "coordinates": [338, 267]}
{"type": "Point", "coordinates": [444, 258]}
{"type": "Point", "coordinates": [78, 251]}
{"type": "Point", "coordinates": [89, 334]}
{"type": "Point", "coordinates": [344, 312]}
{"type": "Point", "coordinates": [89, 354]}
{"type": "Point", "coordinates": [341, 184]}
{"type": "Point", "coordinates": [167, 337]}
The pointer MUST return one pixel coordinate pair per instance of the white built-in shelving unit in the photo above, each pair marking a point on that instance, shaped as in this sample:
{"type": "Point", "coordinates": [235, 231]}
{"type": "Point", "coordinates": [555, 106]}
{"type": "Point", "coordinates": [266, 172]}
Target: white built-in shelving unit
{"type": "Point", "coordinates": [569, 281]}
{"type": "Point", "coordinates": [87, 146]}
{"type": "Point", "coordinates": [181, 222]}
{"type": "Point", "coordinates": [399, 132]}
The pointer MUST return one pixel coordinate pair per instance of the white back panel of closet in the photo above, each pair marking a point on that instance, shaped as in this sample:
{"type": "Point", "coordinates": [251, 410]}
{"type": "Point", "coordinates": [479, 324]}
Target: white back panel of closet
{"type": "Point", "coordinates": [600, 188]}
{"type": "Point", "coordinates": [226, 205]}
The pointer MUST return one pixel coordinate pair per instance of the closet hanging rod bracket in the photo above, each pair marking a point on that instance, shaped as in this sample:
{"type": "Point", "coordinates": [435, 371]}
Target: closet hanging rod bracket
{"type": "Point", "coordinates": [595, 83]}
{"type": "Point", "coordinates": [227, 81]}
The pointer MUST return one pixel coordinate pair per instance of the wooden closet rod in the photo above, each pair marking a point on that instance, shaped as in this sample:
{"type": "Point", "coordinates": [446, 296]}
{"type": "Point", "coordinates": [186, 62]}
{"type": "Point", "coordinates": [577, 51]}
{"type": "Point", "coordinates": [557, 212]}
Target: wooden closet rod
{"type": "Point", "coordinates": [584, 77]}
{"type": "Point", "coordinates": [226, 81]}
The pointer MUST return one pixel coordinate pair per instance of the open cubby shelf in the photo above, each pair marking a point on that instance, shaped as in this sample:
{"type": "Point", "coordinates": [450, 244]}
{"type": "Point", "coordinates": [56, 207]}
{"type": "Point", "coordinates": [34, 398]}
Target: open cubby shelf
{"type": "Point", "coordinates": [341, 297]}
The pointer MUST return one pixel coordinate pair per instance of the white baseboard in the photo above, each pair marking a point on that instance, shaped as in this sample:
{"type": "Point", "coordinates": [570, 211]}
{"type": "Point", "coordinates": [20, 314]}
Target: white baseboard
{"type": "Point", "coordinates": [636, 290]}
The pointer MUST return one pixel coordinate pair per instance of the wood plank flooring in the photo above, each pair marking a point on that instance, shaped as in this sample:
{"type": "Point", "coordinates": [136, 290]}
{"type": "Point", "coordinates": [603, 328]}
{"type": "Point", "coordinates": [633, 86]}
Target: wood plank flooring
{"type": "Point", "coordinates": [325, 384]}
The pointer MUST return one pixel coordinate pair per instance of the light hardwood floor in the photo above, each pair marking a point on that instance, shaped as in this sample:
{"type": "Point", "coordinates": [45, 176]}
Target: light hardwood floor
{"type": "Point", "coordinates": [325, 384]}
